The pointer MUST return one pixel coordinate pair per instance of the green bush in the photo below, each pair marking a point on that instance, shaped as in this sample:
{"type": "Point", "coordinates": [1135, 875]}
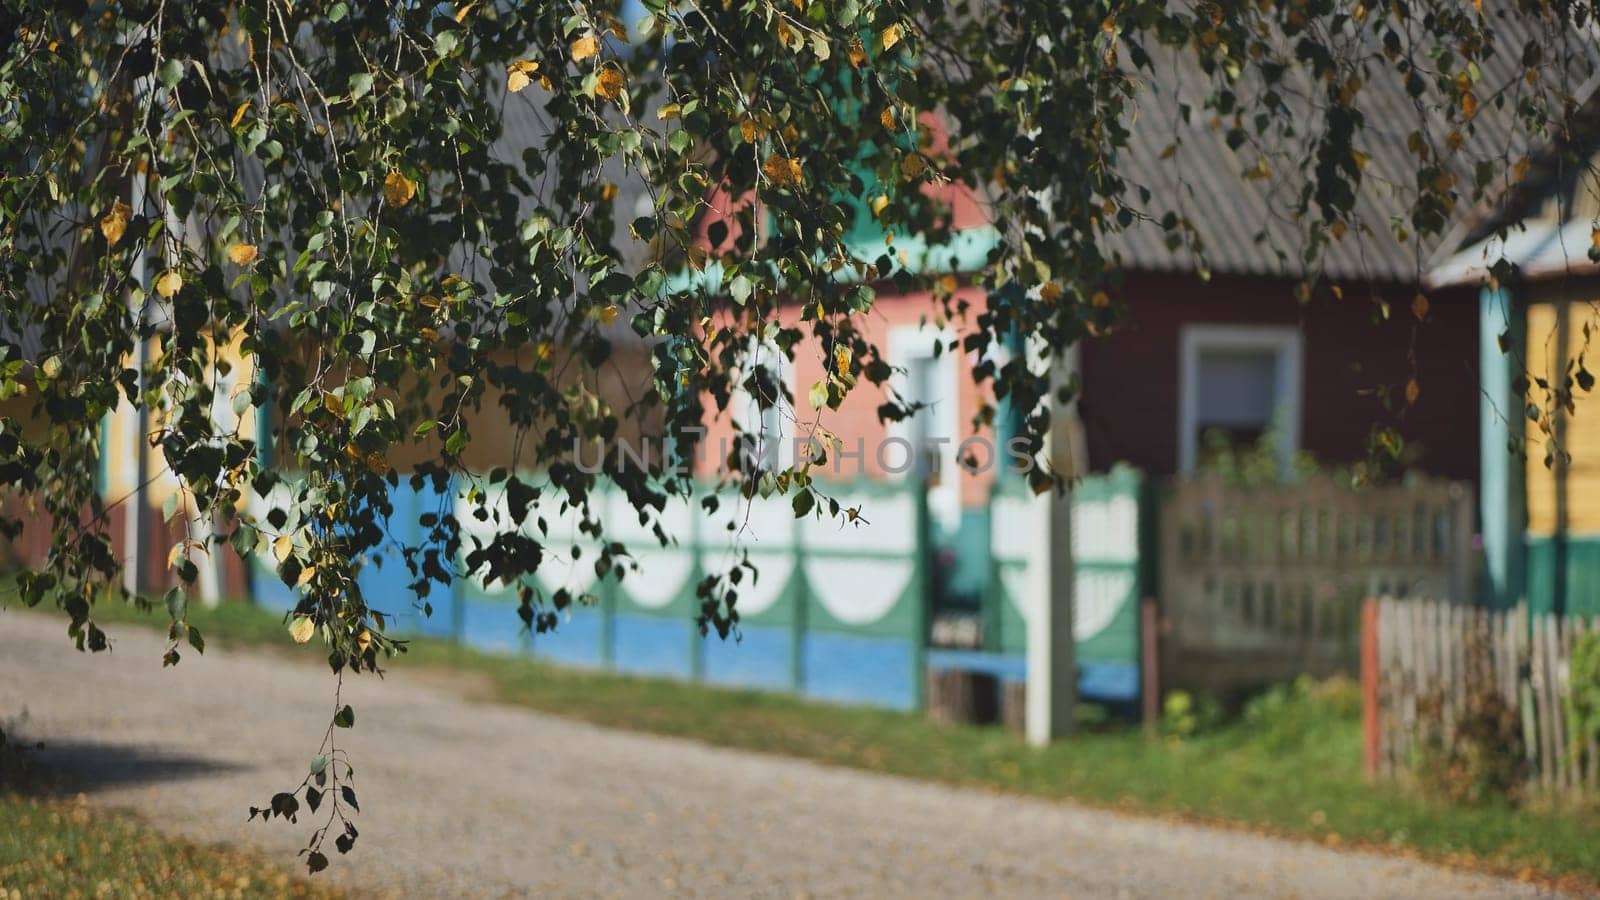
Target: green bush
{"type": "Point", "coordinates": [1291, 715]}
{"type": "Point", "coordinates": [1584, 679]}
{"type": "Point", "coordinates": [1185, 716]}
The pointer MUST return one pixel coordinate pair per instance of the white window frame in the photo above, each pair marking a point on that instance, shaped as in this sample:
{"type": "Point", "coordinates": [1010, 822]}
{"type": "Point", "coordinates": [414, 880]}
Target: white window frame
{"type": "Point", "coordinates": [1286, 343]}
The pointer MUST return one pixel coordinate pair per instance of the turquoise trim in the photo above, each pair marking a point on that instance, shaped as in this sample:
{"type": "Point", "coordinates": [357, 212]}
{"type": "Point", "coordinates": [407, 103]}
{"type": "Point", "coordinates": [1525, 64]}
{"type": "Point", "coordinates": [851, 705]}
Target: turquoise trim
{"type": "Point", "coordinates": [1563, 573]}
{"type": "Point", "coordinates": [967, 251]}
{"type": "Point", "coordinates": [1502, 497]}
{"type": "Point", "coordinates": [102, 471]}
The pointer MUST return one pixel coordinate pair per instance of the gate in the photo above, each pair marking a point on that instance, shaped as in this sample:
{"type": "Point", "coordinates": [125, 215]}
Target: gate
{"type": "Point", "coordinates": [1263, 583]}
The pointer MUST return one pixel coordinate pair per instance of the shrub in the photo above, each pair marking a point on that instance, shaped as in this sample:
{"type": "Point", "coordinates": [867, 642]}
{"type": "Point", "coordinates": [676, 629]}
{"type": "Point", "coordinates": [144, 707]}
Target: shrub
{"type": "Point", "coordinates": [1472, 753]}
{"type": "Point", "coordinates": [1584, 682]}
{"type": "Point", "coordinates": [1185, 716]}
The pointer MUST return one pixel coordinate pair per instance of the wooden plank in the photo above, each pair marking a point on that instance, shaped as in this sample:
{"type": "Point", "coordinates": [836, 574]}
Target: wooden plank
{"type": "Point", "coordinates": [1386, 686]}
{"type": "Point", "coordinates": [1572, 747]}
{"type": "Point", "coordinates": [1458, 555]}
{"type": "Point", "coordinates": [1520, 635]}
{"type": "Point", "coordinates": [1369, 687]}
{"type": "Point", "coordinates": [1582, 627]}
{"type": "Point", "coordinates": [1450, 674]}
{"type": "Point", "coordinates": [1418, 664]}
{"type": "Point", "coordinates": [1542, 704]}
{"type": "Point", "coordinates": [1405, 666]}
{"type": "Point", "coordinates": [1558, 724]}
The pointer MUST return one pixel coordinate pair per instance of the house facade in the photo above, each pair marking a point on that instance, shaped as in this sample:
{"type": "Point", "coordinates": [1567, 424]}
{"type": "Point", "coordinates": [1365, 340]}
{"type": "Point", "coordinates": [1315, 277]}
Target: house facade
{"type": "Point", "coordinates": [1530, 262]}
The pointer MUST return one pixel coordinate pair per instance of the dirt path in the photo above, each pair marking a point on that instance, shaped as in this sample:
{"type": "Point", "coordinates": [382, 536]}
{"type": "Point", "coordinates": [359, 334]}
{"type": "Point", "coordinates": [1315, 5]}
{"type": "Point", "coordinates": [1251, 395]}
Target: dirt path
{"type": "Point", "coordinates": [462, 799]}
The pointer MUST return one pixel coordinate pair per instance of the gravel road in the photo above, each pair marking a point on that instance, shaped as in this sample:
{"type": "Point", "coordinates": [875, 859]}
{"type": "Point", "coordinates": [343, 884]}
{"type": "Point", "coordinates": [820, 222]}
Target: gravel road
{"type": "Point", "coordinates": [466, 799]}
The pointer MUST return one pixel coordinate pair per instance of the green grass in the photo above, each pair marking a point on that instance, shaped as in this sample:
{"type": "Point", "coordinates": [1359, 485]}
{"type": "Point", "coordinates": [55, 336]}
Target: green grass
{"type": "Point", "coordinates": [1296, 771]}
{"type": "Point", "coordinates": [53, 844]}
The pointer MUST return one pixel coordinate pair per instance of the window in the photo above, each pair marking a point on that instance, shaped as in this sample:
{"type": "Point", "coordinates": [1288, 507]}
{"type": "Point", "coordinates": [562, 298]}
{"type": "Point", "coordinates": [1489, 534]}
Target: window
{"type": "Point", "coordinates": [1242, 381]}
{"type": "Point", "coordinates": [927, 372]}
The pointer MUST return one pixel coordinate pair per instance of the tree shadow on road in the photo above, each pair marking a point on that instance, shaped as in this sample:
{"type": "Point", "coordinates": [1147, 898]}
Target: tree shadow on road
{"type": "Point", "coordinates": [66, 767]}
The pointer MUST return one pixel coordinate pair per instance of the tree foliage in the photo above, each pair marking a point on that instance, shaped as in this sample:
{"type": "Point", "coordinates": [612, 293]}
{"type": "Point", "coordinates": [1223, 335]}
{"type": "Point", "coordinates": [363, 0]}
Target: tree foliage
{"type": "Point", "coordinates": [409, 216]}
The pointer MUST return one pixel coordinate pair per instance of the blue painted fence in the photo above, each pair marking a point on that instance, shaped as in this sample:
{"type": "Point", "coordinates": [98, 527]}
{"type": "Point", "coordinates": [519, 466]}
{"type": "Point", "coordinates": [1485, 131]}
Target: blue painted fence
{"type": "Point", "coordinates": [835, 612]}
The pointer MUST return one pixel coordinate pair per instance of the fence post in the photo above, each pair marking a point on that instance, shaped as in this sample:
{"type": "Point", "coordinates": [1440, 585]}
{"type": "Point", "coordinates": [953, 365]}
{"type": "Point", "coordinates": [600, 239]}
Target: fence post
{"type": "Point", "coordinates": [1150, 665]}
{"type": "Point", "coordinates": [922, 599]}
{"type": "Point", "coordinates": [1369, 686]}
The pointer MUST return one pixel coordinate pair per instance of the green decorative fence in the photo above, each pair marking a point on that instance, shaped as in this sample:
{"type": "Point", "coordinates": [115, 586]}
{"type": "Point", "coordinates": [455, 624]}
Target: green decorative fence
{"type": "Point", "coordinates": [835, 611]}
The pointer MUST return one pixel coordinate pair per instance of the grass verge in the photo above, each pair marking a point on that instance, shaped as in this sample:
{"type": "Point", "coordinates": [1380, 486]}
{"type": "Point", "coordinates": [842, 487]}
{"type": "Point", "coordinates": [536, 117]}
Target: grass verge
{"type": "Point", "coordinates": [1292, 769]}
{"type": "Point", "coordinates": [53, 844]}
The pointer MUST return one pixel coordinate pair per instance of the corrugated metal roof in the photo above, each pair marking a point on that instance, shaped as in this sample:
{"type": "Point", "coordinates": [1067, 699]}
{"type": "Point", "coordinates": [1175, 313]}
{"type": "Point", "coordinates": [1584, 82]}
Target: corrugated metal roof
{"type": "Point", "coordinates": [1249, 226]}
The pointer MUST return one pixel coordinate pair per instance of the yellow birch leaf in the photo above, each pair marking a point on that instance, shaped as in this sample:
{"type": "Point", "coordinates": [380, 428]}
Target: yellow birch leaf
{"type": "Point", "coordinates": [1419, 306]}
{"type": "Point", "coordinates": [609, 85]}
{"type": "Point", "coordinates": [780, 170]}
{"type": "Point", "coordinates": [879, 202]}
{"type": "Point", "coordinates": [520, 74]}
{"type": "Point", "coordinates": [585, 47]}
{"type": "Point", "coordinates": [281, 547]}
{"type": "Point", "coordinates": [169, 283]}
{"type": "Point", "coordinates": [818, 395]}
{"type": "Point", "coordinates": [891, 35]}
{"type": "Point", "coordinates": [301, 629]}
{"type": "Point", "coordinates": [858, 54]}
{"type": "Point", "coordinates": [115, 222]}
{"type": "Point", "coordinates": [242, 254]}
{"type": "Point", "coordinates": [1413, 391]}
{"type": "Point", "coordinates": [607, 315]}
{"type": "Point", "coordinates": [398, 189]}
{"type": "Point", "coordinates": [238, 114]}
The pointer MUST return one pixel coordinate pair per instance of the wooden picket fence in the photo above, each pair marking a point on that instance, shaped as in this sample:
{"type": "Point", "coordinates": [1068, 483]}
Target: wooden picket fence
{"type": "Point", "coordinates": [1423, 660]}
